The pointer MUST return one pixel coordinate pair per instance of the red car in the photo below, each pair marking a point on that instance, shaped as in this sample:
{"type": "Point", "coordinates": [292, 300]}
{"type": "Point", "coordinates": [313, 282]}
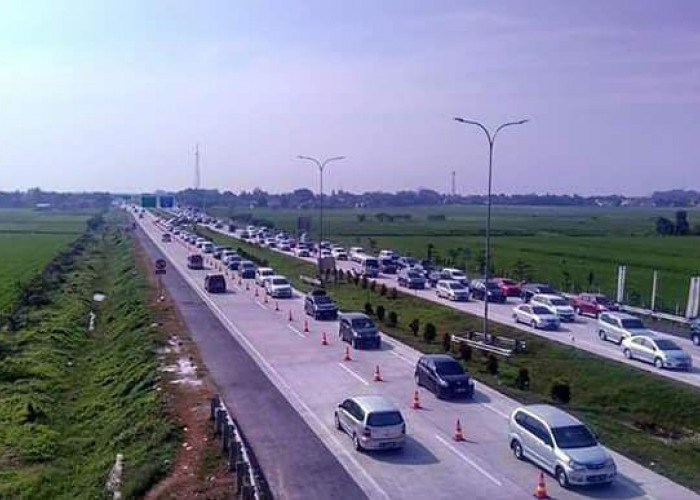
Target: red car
{"type": "Point", "coordinates": [593, 304]}
{"type": "Point", "coordinates": [509, 287]}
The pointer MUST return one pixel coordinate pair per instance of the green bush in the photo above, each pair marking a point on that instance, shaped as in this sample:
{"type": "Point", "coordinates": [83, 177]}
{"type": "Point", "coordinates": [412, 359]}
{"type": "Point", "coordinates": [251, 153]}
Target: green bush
{"type": "Point", "coordinates": [492, 364]}
{"type": "Point", "coordinates": [393, 319]}
{"type": "Point", "coordinates": [381, 312]}
{"type": "Point", "coordinates": [393, 294]}
{"type": "Point", "coordinates": [429, 333]}
{"type": "Point", "coordinates": [446, 341]}
{"type": "Point", "coordinates": [522, 381]}
{"type": "Point", "coordinates": [414, 326]}
{"type": "Point", "coordinates": [465, 352]}
{"type": "Point", "coordinates": [560, 391]}
{"type": "Point", "coordinates": [369, 311]}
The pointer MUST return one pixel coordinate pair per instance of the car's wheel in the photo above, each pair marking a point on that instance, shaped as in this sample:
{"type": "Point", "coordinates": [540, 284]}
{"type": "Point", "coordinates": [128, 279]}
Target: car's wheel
{"type": "Point", "coordinates": [628, 353]}
{"type": "Point", "coordinates": [658, 362]}
{"type": "Point", "coordinates": [533, 324]}
{"type": "Point", "coordinates": [337, 423]}
{"type": "Point", "coordinates": [561, 478]}
{"type": "Point", "coordinates": [602, 335]}
{"type": "Point", "coordinates": [517, 449]}
{"type": "Point", "coordinates": [356, 442]}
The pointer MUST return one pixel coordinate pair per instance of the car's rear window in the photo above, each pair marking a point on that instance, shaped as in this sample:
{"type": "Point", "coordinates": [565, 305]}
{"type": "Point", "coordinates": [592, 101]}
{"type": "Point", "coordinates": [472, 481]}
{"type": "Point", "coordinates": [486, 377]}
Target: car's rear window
{"type": "Point", "coordinates": [540, 310]}
{"type": "Point", "coordinates": [384, 418]}
{"type": "Point", "coordinates": [449, 368]}
{"type": "Point", "coordinates": [362, 323]}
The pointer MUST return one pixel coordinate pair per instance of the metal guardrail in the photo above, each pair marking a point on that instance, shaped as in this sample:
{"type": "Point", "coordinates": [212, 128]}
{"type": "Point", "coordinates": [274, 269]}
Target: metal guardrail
{"type": "Point", "coordinates": [311, 281]}
{"type": "Point", "coordinates": [250, 482]}
{"type": "Point", "coordinates": [501, 346]}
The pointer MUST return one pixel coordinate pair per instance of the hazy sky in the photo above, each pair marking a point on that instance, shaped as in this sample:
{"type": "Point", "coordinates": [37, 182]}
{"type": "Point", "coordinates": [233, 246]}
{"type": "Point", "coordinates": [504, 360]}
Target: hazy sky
{"type": "Point", "coordinates": [114, 95]}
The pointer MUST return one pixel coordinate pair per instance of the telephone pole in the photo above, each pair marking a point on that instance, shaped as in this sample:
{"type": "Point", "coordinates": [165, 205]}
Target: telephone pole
{"type": "Point", "coordinates": [454, 184]}
{"type": "Point", "coordinates": [197, 174]}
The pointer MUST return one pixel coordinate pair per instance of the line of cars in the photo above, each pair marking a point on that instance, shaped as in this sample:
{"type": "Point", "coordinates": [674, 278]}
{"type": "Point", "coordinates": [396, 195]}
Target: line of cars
{"type": "Point", "coordinates": [547, 436]}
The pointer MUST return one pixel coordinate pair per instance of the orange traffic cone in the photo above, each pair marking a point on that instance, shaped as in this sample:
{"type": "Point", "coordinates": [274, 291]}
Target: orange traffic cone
{"type": "Point", "coordinates": [277, 306]}
{"type": "Point", "coordinates": [347, 354]}
{"type": "Point", "coordinates": [324, 340]}
{"type": "Point", "coordinates": [416, 401]}
{"type": "Point", "coordinates": [256, 291]}
{"type": "Point", "coordinates": [541, 490]}
{"type": "Point", "coordinates": [306, 326]}
{"type": "Point", "coordinates": [377, 375]}
{"type": "Point", "coordinates": [290, 315]}
{"type": "Point", "coordinates": [240, 280]}
{"type": "Point", "coordinates": [458, 435]}
{"type": "Point", "coordinates": [247, 287]}
{"type": "Point", "coordinates": [265, 299]}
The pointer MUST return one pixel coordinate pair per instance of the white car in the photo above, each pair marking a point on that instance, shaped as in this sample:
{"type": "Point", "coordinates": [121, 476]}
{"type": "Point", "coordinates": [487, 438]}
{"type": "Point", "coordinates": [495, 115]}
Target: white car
{"type": "Point", "coordinates": [356, 253]}
{"type": "Point", "coordinates": [556, 304]}
{"type": "Point", "coordinates": [456, 275]}
{"type": "Point", "coordinates": [339, 253]}
{"type": "Point", "coordinates": [302, 252]}
{"type": "Point", "coordinates": [262, 273]}
{"type": "Point", "coordinates": [278, 287]}
{"type": "Point", "coordinates": [207, 247]}
{"type": "Point", "coordinates": [199, 242]}
{"type": "Point", "coordinates": [387, 254]}
{"type": "Point", "coordinates": [537, 316]}
{"type": "Point", "coordinates": [452, 290]}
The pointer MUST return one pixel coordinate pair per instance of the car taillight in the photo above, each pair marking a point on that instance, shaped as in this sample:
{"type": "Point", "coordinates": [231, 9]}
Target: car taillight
{"type": "Point", "coordinates": [367, 433]}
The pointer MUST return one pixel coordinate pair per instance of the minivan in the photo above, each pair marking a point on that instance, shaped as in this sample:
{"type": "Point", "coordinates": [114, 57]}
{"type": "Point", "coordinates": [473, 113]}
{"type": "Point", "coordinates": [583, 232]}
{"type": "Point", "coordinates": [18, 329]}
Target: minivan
{"type": "Point", "coordinates": [373, 423]}
{"type": "Point", "coordinates": [359, 330]}
{"type": "Point", "coordinates": [369, 266]}
{"type": "Point", "coordinates": [215, 283]}
{"type": "Point", "coordinates": [561, 445]}
{"type": "Point", "coordinates": [195, 261]}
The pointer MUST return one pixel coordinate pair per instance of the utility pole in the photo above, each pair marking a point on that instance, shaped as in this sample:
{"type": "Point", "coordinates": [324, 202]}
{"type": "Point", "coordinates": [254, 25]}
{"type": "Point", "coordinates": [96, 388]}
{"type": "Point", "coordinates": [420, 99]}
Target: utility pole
{"type": "Point", "coordinates": [454, 184]}
{"type": "Point", "coordinates": [197, 174]}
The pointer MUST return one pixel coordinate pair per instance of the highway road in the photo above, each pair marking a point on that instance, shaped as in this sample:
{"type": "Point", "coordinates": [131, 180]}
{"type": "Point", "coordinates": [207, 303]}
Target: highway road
{"type": "Point", "coordinates": [582, 333]}
{"type": "Point", "coordinates": [314, 378]}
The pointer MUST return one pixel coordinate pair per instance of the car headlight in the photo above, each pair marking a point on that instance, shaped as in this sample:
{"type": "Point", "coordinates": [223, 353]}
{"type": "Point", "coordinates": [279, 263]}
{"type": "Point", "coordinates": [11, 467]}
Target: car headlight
{"type": "Point", "coordinates": [575, 465]}
{"type": "Point", "coordinates": [443, 383]}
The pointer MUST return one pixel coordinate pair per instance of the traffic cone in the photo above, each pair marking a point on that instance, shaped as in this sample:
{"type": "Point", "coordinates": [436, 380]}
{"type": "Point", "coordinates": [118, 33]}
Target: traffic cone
{"type": "Point", "coordinates": [416, 401]}
{"type": "Point", "coordinates": [290, 315]}
{"type": "Point", "coordinates": [458, 435]}
{"type": "Point", "coordinates": [306, 326]}
{"type": "Point", "coordinates": [256, 291]}
{"type": "Point", "coordinates": [277, 306]}
{"type": "Point", "coordinates": [377, 375]}
{"type": "Point", "coordinates": [265, 299]}
{"type": "Point", "coordinates": [240, 280]}
{"type": "Point", "coordinates": [324, 340]}
{"type": "Point", "coordinates": [247, 287]}
{"type": "Point", "coordinates": [541, 490]}
{"type": "Point", "coordinates": [347, 354]}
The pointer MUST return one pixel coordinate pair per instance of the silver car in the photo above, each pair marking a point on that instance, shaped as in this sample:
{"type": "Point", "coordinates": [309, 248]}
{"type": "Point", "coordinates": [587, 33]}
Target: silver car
{"type": "Point", "coordinates": [661, 352]}
{"type": "Point", "coordinates": [536, 316]}
{"type": "Point", "coordinates": [616, 327]}
{"type": "Point", "coordinates": [560, 444]}
{"type": "Point", "coordinates": [372, 422]}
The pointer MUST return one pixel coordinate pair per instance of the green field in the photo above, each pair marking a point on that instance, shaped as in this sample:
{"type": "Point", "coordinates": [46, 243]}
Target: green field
{"type": "Point", "coordinates": [574, 248]}
{"type": "Point", "coordinates": [28, 241]}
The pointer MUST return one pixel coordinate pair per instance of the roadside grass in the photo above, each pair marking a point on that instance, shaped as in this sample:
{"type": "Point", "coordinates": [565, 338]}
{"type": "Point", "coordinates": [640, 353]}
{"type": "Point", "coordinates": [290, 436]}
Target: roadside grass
{"type": "Point", "coordinates": [574, 248]}
{"type": "Point", "coordinates": [650, 419]}
{"type": "Point", "coordinates": [70, 398]}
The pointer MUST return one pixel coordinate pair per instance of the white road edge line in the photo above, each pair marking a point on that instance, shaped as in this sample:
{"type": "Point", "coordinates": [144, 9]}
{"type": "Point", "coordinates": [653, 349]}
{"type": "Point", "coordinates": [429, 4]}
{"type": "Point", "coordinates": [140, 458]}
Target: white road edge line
{"type": "Point", "coordinates": [260, 305]}
{"type": "Point", "coordinates": [296, 331]}
{"type": "Point", "coordinates": [401, 357]}
{"type": "Point", "coordinates": [353, 373]}
{"type": "Point", "coordinates": [272, 373]}
{"type": "Point", "coordinates": [497, 412]}
{"type": "Point", "coordinates": [468, 460]}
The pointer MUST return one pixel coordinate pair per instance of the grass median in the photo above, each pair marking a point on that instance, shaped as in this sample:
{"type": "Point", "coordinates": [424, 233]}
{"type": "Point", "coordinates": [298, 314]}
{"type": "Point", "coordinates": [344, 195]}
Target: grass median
{"type": "Point", "coordinates": [648, 418]}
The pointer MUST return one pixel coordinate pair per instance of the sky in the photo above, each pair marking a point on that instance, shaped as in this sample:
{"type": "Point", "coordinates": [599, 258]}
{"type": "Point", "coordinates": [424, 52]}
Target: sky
{"type": "Point", "coordinates": [114, 95]}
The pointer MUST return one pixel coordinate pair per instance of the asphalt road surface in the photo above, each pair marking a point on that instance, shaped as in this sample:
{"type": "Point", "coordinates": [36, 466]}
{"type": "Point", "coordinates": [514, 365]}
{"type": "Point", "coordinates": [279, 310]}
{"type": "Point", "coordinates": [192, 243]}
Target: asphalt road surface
{"type": "Point", "coordinates": [314, 379]}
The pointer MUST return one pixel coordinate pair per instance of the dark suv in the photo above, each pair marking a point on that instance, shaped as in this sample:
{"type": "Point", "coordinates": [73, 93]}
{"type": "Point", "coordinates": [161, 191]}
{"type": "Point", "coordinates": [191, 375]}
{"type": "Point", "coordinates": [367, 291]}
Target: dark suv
{"type": "Point", "coordinates": [195, 261]}
{"type": "Point", "coordinates": [215, 283]}
{"type": "Point", "coordinates": [359, 330]}
{"type": "Point", "coordinates": [444, 376]}
{"type": "Point", "coordinates": [411, 278]}
{"type": "Point", "coordinates": [319, 305]}
{"type": "Point", "coordinates": [487, 290]}
{"type": "Point", "coordinates": [530, 289]}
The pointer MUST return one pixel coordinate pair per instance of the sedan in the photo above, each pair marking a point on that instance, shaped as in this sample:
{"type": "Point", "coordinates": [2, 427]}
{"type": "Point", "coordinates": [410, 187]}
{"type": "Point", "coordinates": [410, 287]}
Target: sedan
{"type": "Point", "coordinates": [536, 316]}
{"type": "Point", "coordinates": [660, 352]}
{"type": "Point", "coordinates": [452, 290]}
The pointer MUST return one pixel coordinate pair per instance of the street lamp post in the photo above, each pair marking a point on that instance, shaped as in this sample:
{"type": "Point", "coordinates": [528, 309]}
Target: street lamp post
{"type": "Point", "coordinates": [321, 167]}
{"type": "Point", "coordinates": [487, 258]}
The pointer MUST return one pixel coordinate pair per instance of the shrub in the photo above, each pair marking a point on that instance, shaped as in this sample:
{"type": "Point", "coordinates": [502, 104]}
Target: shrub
{"type": "Point", "coordinates": [561, 391]}
{"type": "Point", "coordinates": [341, 274]}
{"type": "Point", "coordinates": [429, 333]}
{"type": "Point", "coordinates": [373, 285]}
{"type": "Point", "coordinates": [522, 381]}
{"type": "Point", "coordinates": [393, 294]}
{"type": "Point", "coordinates": [369, 311]}
{"type": "Point", "coordinates": [364, 282]}
{"type": "Point", "coordinates": [382, 290]}
{"type": "Point", "coordinates": [356, 279]}
{"type": "Point", "coordinates": [492, 364]}
{"type": "Point", "coordinates": [446, 341]}
{"type": "Point", "coordinates": [414, 326]}
{"type": "Point", "coordinates": [465, 352]}
{"type": "Point", "coordinates": [393, 319]}
{"type": "Point", "coordinates": [381, 312]}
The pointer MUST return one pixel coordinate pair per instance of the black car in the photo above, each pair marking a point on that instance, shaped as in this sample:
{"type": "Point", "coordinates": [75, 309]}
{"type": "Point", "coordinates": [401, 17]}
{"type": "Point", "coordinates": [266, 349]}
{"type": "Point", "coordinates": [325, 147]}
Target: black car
{"type": "Point", "coordinates": [234, 262]}
{"type": "Point", "coordinates": [411, 278]}
{"type": "Point", "coordinates": [404, 262]}
{"type": "Point", "coordinates": [695, 331]}
{"type": "Point", "coordinates": [246, 269]}
{"type": "Point", "coordinates": [319, 305]}
{"type": "Point", "coordinates": [387, 266]}
{"type": "Point", "coordinates": [195, 261]}
{"type": "Point", "coordinates": [359, 330]}
{"type": "Point", "coordinates": [444, 376]}
{"type": "Point", "coordinates": [529, 289]}
{"type": "Point", "coordinates": [215, 283]}
{"type": "Point", "coordinates": [487, 290]}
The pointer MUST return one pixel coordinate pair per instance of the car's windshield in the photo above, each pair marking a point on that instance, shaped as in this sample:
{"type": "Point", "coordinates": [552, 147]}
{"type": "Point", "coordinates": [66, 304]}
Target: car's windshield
{"type": "Point", "coordinates": [448, 368]}
{"type": "Point", "coordinates": [573, 436]}
{"type": "Point", "coordinates": [384, 418]}
{"type": "Point", "coordinates": [492, 286]}
{"type": "Point", "coordinates": [667, 345]}
{"type": "Point", "coordinates": [371, 263]}
{"type": "Point", "coordinates": [559, 302]}
{"type": "Point", "coordinates": [456, 286]}
{"type": "Point", "coordinates": [413, 274]}
{"type": "Point", "coordinates": [362, 323]}
{"type": "Point", "coordinates": [540, 310]}
{"type": "Point", "coordinates": [633, 324]}
{"type": "Point", "coordinates": [323, 299]}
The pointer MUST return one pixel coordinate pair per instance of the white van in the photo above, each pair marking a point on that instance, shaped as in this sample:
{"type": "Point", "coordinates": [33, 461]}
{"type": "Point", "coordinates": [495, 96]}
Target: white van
{"type": "Point", "coordinates": [369, 266]}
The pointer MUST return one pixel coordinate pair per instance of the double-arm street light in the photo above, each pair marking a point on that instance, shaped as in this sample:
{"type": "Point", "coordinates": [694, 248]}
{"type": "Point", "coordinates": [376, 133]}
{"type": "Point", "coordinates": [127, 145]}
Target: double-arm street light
{"type": "Point", "coordinates": [321, 167]}
{"type": "Point", "coordinates": [487, 257]}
